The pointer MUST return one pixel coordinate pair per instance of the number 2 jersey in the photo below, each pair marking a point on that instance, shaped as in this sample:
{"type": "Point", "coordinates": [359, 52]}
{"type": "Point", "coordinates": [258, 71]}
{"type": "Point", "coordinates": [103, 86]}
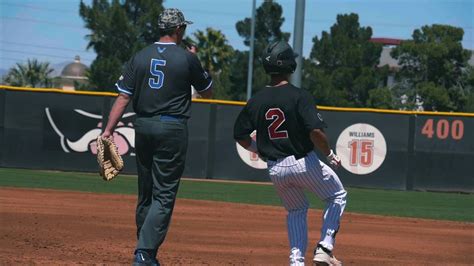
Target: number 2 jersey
{"type": "Point", "coordinates": [283, 117]}
{"type": "Point", "coordinates": [159, 80]}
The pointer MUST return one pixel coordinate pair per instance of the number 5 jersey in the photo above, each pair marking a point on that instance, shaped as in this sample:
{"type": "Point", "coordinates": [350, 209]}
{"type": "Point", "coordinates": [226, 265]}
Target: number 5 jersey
{"type": "Point", "coordinates": [159, 79]}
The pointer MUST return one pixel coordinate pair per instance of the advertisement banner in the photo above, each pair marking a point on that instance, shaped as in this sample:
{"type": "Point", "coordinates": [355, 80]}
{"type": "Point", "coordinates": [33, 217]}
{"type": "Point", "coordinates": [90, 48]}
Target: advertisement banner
{"type": "Point", "coordinates": [372, 147]}
{"type": "Point", "coordinates": [400, 151]}
{"type": "Point", "coordinates": [2, 127]}
{"type": "Point", "coordinates": [58, 131]}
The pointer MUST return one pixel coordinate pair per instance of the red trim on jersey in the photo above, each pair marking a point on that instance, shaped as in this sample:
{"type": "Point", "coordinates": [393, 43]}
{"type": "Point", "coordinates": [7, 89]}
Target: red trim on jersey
{"type": "Point", "coordinates": [278, 117]}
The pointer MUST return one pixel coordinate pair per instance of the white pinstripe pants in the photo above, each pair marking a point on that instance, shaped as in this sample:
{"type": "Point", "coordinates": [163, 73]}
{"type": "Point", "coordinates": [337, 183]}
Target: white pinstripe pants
{"type": "Point", "coordinates": [290, 178]}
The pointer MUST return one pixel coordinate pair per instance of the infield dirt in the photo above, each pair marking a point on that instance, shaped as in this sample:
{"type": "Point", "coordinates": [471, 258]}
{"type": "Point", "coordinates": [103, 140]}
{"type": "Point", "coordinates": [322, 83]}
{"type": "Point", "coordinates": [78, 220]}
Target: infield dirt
{"type": "Point", "coordinates": [50, 227]}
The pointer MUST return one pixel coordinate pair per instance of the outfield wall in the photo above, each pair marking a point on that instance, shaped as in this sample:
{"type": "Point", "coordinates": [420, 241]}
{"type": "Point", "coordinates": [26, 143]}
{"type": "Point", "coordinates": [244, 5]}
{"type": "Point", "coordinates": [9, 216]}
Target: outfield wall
{"type": "Point", "coordinates": [380, 148]}
{"type": "Point", "coordinates": [2, 126]}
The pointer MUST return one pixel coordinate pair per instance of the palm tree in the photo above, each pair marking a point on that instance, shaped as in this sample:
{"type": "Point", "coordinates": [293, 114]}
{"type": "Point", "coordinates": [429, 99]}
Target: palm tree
{"type": "Point", "coordinates": [215, 54]}
{"type": "Point", "coordinates": [213, 50]}
{"type": "Point", "coordinates": [31, 74]}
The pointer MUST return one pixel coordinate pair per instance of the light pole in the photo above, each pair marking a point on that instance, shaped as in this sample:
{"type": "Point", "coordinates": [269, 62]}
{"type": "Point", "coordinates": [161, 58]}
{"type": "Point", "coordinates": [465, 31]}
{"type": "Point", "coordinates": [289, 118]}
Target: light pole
{"type": "Point", "coordinates": [298, 41]}
{"type": "Point", "coordinates": [252, 41]}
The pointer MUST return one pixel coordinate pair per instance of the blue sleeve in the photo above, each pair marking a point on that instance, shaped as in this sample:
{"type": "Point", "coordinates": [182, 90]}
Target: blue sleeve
{"type": "Point", "coordinates": [126, 82]}
{"type": "Point", "coordinates": [200, 79]}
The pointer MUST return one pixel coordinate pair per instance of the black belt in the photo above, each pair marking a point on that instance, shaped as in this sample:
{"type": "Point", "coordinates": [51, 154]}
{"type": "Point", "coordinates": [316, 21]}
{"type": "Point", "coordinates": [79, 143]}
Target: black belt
{"type": "Point", "coordinates": [297, 157]}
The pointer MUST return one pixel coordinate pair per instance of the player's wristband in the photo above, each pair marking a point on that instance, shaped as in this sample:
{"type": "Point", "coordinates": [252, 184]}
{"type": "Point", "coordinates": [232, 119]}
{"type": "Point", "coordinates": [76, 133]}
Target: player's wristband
{"type": "Point", "coordinates": [331, 155]}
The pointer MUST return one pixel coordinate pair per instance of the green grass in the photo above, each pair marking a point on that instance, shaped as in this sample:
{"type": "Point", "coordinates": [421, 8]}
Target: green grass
{"type": "Point", "coordinates": [440, 206]}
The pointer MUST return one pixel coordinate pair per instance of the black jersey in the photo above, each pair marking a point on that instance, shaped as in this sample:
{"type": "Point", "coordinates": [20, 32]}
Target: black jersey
{"type": "Point", "coordinates": [159, 79]}
{"type": "Point", "coordinates": [283, 117]}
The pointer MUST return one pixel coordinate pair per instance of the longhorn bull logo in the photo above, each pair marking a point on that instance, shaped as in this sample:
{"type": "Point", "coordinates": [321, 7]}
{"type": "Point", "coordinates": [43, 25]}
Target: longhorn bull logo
{"type": "Point", "coordinates": [124, 135]}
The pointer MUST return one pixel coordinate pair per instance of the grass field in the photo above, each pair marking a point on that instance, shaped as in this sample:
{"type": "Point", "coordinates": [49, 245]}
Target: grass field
{"type": "Point", "coordinates": [431, 205]}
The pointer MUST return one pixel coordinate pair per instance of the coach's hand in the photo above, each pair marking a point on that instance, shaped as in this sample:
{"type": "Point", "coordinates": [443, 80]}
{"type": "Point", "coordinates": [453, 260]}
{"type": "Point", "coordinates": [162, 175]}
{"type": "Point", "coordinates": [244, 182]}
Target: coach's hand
{"type": "Point", "coordinates": [106, 134]}
{"type": "Point", "coordinates": [191, 47]}
{"type": "Point", "coordinates": [334, 160]}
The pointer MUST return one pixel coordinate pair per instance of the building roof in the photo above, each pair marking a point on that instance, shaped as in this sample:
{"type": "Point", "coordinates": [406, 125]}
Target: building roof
{"type": "Point", "coordinates": [386, 41]}
{"type": "Point", "coordinates": [387, 59]}
{"type": "Point", "coordinates": [74, 70]}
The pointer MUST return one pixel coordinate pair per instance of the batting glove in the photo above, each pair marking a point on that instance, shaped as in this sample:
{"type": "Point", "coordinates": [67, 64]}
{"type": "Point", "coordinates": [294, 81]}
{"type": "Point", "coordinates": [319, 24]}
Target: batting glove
{"type": "Point", "coordinates": [334, 160]}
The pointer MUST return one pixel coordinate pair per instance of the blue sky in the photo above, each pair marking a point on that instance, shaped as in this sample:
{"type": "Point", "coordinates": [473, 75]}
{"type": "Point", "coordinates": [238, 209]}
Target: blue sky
{"type": "Point", "coordinates": [51, 30]}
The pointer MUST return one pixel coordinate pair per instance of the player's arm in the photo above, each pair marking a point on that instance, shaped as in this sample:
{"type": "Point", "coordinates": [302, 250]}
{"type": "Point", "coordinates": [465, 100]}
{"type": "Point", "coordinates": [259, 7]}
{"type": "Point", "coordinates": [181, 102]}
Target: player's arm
{"type": "Point", "coordinates": [320, 141]}
{"type": "Point", "coordinates": [116, 113]}
{"type": "Point", "coordinates": [315, 125]}
{"type": "Point", "coordinates": [200, 79]}
{"type": "Point", "coordinates": [125, 86]}
{"type": "Point", "coordinates": [242, 130]}
{"type": "Point", "coordinates": [249, 144]}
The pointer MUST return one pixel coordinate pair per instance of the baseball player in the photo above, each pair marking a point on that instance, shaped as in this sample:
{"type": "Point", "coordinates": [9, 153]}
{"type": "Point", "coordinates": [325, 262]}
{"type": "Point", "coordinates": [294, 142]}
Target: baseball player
{"type": "Point", "coordinates": [158, 81]}
{"type": "Point", "coordinates": [289, 127]}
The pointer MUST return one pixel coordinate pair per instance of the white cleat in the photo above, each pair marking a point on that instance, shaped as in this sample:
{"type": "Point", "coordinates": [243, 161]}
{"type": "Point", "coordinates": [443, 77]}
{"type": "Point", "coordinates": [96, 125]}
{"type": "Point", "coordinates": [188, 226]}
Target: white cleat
{"type": "Point", "coordinates": [322, 258]}
{"type": "Point", "coordinates": [295, 257]}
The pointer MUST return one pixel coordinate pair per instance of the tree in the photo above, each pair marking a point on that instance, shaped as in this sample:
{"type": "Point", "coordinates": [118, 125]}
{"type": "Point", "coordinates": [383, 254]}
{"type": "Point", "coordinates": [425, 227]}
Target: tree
{"type": "Point", "coordinates": [238, 76]}
{"type": "Point", "coordinates": [80, 86]}
{"type": "Point", "coordinates": [118, 30]}
{"type": "Point", "coordinates": [465, 89]}
{"type": "Point", "coordinates": [320, 85]}
{"type": "Point", "coordinates": [380, 98]}
{"type": "Point", "coordinates": [268, 22]}
{"type": "Point", "coordinates": [215, 55]}
{"type": "Point", "coordinates": [434, 97]}
{"type": "Point", "coordinates": [346, 69]}
{"type": "Point", "coordinates": [32, 74]}
{"type": "Point", "coordinates": [434, 60]}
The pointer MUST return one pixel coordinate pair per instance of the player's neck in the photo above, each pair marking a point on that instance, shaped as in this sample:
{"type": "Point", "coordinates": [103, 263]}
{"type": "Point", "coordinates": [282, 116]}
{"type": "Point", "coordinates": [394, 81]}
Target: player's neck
{"type": "Point", "coordinates": [277, 81]}
{"type": "Point", "coordinates": [168, 39]}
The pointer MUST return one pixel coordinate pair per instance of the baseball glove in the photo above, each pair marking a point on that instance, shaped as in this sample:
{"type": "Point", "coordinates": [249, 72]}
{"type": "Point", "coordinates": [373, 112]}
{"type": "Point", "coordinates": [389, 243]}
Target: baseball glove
{"type": "Point", "coordinates": [108, 157]}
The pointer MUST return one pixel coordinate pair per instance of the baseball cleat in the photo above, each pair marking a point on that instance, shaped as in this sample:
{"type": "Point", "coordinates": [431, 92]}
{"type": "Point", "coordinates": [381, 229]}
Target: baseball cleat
{"type": "Point", "coordinates": [295, 257]}
{"type": "Point", "coordinates": [323, 258]}
{"type": "Point", "coordinates": [144, 259]}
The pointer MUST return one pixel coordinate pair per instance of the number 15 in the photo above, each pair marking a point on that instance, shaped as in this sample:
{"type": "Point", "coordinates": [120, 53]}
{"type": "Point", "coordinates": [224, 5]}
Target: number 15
{"type": "Point", "coordinates": [362, 152]}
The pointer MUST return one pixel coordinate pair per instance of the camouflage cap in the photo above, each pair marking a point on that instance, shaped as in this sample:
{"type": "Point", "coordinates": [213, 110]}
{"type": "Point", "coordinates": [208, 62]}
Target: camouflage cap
{"type": "Point", "coordinates": [172, 17]}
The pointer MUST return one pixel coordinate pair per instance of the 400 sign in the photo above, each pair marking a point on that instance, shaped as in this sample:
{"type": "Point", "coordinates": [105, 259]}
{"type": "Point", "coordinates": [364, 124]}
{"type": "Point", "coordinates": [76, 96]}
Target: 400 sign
{"type": "Point", "coordinates": [362, 148]}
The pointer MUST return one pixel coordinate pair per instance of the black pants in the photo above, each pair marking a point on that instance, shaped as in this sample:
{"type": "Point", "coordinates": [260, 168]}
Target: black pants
{"type": "Point", "coordinates": [160, 143]}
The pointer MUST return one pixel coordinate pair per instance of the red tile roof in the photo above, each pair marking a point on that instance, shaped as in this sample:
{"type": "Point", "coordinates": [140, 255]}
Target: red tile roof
{"type": "Point", "coordinates": [386, 41]}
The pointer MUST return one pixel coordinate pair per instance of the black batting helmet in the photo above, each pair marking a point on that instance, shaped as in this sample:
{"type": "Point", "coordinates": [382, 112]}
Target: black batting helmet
{"type": "Point", "coordinates": [279, 58]}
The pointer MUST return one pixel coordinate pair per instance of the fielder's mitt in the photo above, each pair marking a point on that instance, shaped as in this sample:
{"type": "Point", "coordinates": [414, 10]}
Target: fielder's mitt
{"type": "Point", "coordinates": [110, 161]}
